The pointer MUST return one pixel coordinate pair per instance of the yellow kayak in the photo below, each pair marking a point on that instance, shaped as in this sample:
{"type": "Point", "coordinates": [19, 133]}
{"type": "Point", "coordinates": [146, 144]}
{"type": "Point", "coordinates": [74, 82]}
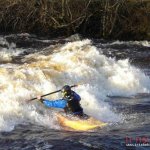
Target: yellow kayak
{"type": "Point", "coordinates": [77, 124]}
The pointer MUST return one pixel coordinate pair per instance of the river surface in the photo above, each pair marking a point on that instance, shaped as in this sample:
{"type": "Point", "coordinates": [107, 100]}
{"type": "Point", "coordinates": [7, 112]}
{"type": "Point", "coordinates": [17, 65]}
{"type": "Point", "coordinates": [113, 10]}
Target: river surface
{"type": "Point", "coordinates": [115, 88]}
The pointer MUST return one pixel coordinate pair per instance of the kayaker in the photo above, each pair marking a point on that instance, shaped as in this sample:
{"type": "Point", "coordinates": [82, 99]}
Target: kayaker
{"type": "Point", "coordinates": [70, 102]}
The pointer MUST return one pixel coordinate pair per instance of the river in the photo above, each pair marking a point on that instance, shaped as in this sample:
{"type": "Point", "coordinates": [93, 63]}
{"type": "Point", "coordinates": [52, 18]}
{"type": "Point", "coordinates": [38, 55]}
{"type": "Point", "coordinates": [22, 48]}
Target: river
{"type": "Point", "coordinates": [114, 87]}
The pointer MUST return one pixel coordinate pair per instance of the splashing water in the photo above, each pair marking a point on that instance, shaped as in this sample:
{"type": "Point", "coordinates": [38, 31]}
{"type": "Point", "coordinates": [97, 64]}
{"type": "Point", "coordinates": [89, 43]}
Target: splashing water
{"type": "Point", "coordinates": [71, 63]}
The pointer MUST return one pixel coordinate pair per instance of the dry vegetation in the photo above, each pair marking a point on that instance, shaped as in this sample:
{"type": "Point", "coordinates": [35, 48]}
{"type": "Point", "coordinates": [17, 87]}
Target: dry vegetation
{"type": "Point", "coordinates": [98, 18]}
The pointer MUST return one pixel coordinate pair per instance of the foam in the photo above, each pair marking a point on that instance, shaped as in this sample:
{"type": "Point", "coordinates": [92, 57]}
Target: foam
{"type": "Point", "coordinates": [74, 62]}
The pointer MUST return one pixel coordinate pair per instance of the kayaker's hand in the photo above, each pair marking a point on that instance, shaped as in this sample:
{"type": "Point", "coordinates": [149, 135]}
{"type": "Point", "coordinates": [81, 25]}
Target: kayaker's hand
{"type": "Point", "coordinates": [39, 97]}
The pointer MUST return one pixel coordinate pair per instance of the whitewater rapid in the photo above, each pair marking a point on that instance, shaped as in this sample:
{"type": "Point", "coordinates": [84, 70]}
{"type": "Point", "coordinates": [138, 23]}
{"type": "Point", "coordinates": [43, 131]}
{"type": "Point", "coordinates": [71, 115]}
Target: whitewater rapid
{"type": "Point", "coordinates": [78, 62]}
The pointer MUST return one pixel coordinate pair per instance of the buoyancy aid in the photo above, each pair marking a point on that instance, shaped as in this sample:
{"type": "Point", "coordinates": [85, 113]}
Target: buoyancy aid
{"type": "Point", "coordinates": [73, 103]}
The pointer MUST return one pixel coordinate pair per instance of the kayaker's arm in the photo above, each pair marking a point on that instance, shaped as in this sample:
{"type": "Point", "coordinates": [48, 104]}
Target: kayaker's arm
{"type": "Point", "coordinates": [61, 103]}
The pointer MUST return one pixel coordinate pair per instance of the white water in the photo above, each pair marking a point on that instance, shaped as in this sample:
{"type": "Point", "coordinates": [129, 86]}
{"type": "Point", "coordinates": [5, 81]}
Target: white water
{"type": "Point", "coordinates": [138, 43]}
{"type": "Point", "coordinates": [8, 51]}
{"type": "Point", "coordinates": [74, 62]}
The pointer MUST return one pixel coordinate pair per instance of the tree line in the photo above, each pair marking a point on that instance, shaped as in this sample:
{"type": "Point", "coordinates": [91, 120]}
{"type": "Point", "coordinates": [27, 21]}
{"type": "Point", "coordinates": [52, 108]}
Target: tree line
{"type": "Point", "coordinates": [108, 19]}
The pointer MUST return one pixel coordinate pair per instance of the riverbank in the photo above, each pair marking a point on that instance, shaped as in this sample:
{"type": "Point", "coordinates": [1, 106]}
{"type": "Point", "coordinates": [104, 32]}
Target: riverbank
{"type": "Point", "coordinates": [123, 20]}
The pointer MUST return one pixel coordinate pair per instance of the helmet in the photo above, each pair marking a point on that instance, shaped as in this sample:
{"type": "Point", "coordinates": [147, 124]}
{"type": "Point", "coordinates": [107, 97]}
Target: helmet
{"type": "Point", "coordinates": [66, 90]}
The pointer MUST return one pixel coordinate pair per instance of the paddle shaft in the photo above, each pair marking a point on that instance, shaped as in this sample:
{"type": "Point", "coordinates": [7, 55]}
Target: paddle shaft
{"type": "Point", "coordinates": [50, 93]}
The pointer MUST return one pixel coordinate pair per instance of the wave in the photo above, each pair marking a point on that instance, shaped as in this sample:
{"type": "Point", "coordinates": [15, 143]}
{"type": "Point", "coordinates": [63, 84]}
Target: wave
{"type": "Point", "coordinates": [70, 63]}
